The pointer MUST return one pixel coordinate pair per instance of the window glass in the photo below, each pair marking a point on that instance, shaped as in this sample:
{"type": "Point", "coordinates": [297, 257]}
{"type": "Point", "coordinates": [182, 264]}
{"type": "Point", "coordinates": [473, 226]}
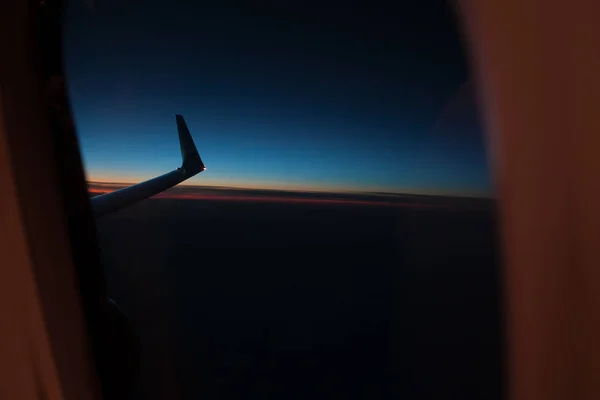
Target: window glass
{"type": "Point", "coordinates": [342, 240]}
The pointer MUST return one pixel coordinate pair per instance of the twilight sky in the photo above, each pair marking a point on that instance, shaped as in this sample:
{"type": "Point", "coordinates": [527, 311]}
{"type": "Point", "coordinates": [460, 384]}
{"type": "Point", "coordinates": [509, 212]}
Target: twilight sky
{"type": "Point", "coordinates": [277, 95]}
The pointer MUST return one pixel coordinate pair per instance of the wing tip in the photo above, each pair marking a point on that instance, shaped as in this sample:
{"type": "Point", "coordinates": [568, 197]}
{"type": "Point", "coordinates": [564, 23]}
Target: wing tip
{"type": "Point", "coordinates": [191, 161]}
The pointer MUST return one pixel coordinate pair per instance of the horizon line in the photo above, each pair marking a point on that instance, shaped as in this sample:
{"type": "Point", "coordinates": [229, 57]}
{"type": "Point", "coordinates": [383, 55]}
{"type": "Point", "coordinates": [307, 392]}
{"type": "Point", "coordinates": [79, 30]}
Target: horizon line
{"type": "Point", "coordinates": [322, 191]}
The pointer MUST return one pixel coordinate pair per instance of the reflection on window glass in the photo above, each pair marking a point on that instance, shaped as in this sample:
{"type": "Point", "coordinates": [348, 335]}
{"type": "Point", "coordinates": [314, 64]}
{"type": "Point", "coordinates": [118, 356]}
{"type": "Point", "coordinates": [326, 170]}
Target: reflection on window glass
{"type": "Point", "coordinates": [342, 240]}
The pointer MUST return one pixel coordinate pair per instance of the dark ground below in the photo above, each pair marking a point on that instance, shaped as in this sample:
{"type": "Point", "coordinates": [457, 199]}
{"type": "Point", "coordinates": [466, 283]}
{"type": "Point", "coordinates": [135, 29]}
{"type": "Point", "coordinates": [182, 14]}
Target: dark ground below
{"type": "Point", "coordinates": [257, 300]}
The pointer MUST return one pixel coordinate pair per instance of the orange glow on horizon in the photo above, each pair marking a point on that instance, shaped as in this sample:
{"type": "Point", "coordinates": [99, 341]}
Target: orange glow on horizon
{"type": "Point", "coordinates": [232, 182]}
{"type": "Point", "coordinates": [203, 182]}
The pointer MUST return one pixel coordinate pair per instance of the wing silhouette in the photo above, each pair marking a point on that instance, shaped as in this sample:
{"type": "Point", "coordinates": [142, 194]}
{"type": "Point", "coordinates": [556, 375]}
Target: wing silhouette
{"type": "Point", "coordinates": [191, 165]}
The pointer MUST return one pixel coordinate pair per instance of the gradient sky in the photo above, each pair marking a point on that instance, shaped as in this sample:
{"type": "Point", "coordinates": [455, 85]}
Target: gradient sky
{"type": "Point", "coordinates": [276, 96]}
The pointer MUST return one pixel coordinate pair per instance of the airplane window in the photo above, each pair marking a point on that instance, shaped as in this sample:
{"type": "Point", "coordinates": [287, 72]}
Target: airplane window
{"type": "Point", "coordinates": [292, 200]}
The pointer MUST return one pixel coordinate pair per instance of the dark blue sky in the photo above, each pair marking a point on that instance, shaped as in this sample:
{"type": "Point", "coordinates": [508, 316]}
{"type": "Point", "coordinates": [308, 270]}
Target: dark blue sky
{"type": "Point", "coordinates": [276, 96]}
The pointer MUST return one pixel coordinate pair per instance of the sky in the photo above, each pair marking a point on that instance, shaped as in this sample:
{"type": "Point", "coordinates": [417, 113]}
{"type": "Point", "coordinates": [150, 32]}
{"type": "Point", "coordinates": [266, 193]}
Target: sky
{"type": "Point", "coordinates": [280, 95]}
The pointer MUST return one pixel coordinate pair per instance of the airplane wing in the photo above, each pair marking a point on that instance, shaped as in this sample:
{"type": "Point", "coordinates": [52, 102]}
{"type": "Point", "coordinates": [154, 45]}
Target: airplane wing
{"type": "Point", "coordinates": [191, 165]}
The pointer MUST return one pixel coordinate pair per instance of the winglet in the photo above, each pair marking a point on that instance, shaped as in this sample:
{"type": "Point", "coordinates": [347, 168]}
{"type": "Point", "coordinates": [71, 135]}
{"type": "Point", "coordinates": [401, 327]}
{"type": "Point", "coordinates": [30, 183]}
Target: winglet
{"type": "Point", "coordinates": [191, 161]}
